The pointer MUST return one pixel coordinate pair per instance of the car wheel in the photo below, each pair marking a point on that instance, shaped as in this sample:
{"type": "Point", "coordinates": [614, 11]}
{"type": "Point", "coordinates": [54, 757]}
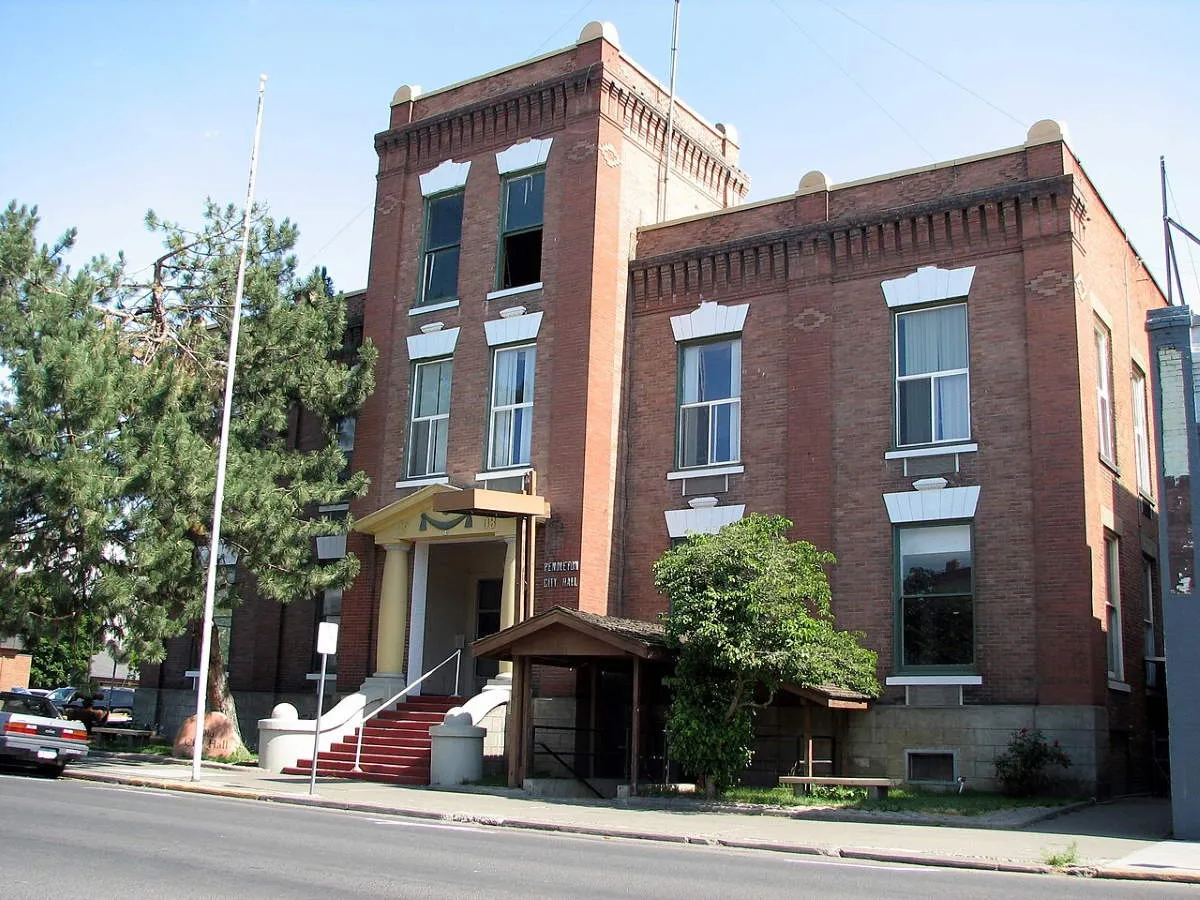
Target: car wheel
{"type": "Point", "coordinates": [51, 771]}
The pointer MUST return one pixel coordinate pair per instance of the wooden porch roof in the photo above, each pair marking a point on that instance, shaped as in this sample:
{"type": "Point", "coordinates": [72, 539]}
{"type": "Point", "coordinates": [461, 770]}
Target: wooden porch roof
{"type": "Point", "coordinates": [560, 635]}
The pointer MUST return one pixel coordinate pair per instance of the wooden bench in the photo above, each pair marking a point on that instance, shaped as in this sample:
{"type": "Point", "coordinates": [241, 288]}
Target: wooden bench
{"type": "Point", "coordinates": [124, 738]}
{"type": "Point", "coordinates": [877, 788]}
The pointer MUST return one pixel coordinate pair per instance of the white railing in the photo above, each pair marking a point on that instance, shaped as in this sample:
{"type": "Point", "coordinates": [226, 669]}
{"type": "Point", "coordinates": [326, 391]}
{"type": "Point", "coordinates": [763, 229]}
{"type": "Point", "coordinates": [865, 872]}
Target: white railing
{"type": "Point", "coordinates": [456, 655]}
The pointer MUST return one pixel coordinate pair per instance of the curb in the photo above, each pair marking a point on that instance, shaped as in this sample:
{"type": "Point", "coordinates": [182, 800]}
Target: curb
{"type": "Point", "coordinates": [872, 855]}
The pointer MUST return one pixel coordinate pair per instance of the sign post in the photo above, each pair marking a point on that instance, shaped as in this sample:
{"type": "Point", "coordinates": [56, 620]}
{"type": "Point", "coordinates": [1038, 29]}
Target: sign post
{"type": "Point", "coordinates": [327, 633]}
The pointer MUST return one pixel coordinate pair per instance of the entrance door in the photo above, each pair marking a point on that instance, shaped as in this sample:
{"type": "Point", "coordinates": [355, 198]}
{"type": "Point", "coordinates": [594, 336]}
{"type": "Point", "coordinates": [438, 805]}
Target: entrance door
{"type": "Point", "coordinates": [487, 621]}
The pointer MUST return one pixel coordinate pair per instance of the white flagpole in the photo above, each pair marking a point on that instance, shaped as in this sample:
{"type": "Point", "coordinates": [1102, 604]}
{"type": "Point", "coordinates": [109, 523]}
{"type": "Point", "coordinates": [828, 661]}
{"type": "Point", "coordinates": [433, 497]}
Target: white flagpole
{"type": "Point", "coordinates": [223, 453]}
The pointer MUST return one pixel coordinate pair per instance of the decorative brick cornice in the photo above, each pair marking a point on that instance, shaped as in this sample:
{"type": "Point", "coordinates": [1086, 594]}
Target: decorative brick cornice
{"type": "Point", "coordinates": [647, 124]}
{"type": "Point", "coordinates": [497, 121]}
{"type": "Point", "coordinates": [991, 220]}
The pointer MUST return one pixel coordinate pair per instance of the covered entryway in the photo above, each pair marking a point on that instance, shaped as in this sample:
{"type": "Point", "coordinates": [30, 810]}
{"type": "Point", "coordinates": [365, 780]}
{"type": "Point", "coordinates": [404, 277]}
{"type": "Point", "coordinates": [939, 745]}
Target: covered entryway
{"type": "Point", "coordinates": [455, 564]}
{"type": "Point", "coordinates": [619, 665]}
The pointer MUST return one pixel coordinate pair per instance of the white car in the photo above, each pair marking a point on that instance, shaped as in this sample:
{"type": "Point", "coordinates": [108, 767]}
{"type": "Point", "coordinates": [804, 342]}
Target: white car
{"type": "Point", "coordinates": [33, 733]}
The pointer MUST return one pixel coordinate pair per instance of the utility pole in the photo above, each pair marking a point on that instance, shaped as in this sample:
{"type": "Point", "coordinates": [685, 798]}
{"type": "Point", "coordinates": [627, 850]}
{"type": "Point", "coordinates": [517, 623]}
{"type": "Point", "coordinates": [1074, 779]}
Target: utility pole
{"type": "Point", "coordinates": [214, 547]}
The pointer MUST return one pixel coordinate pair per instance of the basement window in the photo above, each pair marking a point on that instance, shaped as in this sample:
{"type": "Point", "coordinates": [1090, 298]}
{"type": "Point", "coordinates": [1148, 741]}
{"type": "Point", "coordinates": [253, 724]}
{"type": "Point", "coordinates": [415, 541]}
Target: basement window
{"type": "Point", "coordinates": [521, 230]}
{"type": "Point", "coordinates": [930, 766]}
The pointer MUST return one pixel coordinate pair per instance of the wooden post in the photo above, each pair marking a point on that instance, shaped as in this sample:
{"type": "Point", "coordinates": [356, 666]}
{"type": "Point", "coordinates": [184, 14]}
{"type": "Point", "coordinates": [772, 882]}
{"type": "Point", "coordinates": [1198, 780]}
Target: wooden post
{"type": "Point", "coordinates": [635, 736]}
{"type": "Point", "coordinates": [514, 738]}
{"type": "Point", "coordinates": [808, 737]}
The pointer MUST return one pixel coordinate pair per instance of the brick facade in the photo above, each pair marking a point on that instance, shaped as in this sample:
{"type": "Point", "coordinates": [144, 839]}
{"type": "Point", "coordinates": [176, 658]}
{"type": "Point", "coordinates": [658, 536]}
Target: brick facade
{"type": "Point", "coordinates": [817, 400]}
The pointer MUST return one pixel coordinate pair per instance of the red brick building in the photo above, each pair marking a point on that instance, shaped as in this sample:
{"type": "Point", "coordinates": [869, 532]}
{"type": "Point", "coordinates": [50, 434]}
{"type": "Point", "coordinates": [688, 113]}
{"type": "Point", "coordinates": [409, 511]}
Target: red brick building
{"type": "Point", "coordinates": [938, 374]}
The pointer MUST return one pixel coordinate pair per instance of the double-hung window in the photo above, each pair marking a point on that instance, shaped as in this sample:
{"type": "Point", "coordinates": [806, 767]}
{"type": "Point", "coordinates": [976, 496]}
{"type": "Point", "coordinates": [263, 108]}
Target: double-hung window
{"type": "Point", "coordinates": [1104, 399]}
{"type": "Point", "coordinates": [430, 418]}
{"type": "Point", "coordinates": [1141, 436]}
{"type": "Point", "coordinates": [933, 401]}
{"type": "Point", "coordinates": [1112, 608]}
{"type": "Point", "coordinates": [443, 239]}
{"type": "Point", "coordinates": [511, 431]}
{"type": "Point", "coordinates": [936, 596]}
{"type": "Point", "coordinates": [710, 403]}
{"type": "Point", "coordinates": [521, 230]}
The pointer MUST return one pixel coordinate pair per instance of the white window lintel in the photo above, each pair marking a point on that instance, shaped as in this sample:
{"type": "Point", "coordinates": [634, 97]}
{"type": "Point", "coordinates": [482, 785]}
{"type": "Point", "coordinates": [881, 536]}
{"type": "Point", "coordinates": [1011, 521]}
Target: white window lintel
{"type": "Point", "coordinates": [928, 284]}
{"type": "Point", "coordinates": [512, 330]}
{"type": "Point", "coordinates": [525, 155]}
{"type": "Point", "coordinates": [445, 176]}
{"type": "Point", "coordinates": [433, 344]}
{"type": "Point", "coordinates": [932, 506]}
{"type": "Point", "coordinates": [705, 520]}
{"type": "Point", "coordinates": [708, 320]}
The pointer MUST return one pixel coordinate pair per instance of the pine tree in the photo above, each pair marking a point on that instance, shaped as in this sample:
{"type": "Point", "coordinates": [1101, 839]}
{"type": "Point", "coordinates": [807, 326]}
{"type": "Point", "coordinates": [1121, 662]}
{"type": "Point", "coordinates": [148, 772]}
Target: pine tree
{"type": "Point", "coordinates": [142, 367]}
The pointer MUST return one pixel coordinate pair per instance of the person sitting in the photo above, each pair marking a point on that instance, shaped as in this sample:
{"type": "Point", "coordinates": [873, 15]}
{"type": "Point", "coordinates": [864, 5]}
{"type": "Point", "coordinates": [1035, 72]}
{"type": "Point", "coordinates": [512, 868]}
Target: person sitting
{"type": "Point", "coordinates": [90, 716]}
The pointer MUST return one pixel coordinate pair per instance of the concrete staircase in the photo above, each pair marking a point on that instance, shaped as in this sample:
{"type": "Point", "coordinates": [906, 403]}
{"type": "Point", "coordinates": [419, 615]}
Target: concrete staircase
{"type": "Point", "coordinates": [395, 747]}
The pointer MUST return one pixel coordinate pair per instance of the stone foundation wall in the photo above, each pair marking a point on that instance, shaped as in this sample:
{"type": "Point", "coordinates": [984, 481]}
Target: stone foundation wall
{"type": "Point", "coordinates": [879, 738]}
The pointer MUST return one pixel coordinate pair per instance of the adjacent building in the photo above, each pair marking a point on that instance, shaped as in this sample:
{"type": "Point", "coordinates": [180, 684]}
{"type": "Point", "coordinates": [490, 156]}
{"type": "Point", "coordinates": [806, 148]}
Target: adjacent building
{"type": "Point", "coordinates": [590, 346]}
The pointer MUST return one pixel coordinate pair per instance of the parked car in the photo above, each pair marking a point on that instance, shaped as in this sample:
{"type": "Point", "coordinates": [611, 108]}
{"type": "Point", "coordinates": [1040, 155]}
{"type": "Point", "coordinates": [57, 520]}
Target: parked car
{"type": "Point", "coordinates": [115, 702]}
{"type": "Point", "coordinates": [33, 734]}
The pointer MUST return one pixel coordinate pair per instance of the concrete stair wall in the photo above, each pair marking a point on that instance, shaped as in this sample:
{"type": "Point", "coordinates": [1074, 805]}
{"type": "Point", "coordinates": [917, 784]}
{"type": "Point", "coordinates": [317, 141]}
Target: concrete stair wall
{"type": "Point", "coordinates": [395, 745]}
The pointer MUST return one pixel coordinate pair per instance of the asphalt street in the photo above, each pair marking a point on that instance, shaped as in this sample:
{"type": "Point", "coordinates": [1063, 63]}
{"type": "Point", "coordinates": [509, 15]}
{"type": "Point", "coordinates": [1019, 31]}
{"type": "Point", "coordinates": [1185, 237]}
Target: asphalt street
{"type": "Point", "coordinates": [107, 841]}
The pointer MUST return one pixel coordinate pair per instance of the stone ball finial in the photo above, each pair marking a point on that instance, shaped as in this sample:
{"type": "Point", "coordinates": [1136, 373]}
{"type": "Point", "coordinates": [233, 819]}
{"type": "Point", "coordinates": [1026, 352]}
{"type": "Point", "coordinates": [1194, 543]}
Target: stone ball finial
{"type": "Point", "coordinates": [406, 93]}
{"type": "Point", "coordinates": [284, 711]}
{"type": "Point", "coordinates": [814, 181]}
{"type": "Point", "coordinates": [606, 30]}
{"type": "Point", "coordinates": [1046, 131]}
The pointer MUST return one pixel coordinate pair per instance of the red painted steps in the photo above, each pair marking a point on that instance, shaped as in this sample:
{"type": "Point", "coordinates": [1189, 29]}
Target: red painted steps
{"type": "Point", "coordinates": [395, 745]}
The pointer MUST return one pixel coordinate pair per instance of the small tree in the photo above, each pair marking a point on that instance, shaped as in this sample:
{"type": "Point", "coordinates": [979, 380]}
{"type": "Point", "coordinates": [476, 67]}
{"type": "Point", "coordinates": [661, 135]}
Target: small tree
{"type": "Point", "coordinates": [749, 612]}
{"type": "Point", "coordinates": [1022, 769]}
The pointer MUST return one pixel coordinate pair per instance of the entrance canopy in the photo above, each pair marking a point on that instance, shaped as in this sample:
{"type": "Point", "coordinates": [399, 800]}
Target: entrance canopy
{"type": "Point", "coordinates": [559, 636]}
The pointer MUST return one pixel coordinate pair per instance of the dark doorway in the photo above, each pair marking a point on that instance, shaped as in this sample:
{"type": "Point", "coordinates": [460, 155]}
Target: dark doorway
{"type": "Point", "coordinates": [487, 621]}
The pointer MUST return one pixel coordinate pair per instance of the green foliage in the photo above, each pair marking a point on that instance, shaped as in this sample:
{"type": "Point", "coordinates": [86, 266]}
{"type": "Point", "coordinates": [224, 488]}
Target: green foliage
{"type": "Point", "coordinates": [749, 612]}
{"type": "Point", "coordinates": [1062, 859]}
{"type": "Point", "coordinates": [64, 659]}
{"type": "Point", "coordinates": [1022, 769]}
{"type": "Point", "coordinates": [111, 418]}
{"type": "Point", "coordinates": [943, 803]}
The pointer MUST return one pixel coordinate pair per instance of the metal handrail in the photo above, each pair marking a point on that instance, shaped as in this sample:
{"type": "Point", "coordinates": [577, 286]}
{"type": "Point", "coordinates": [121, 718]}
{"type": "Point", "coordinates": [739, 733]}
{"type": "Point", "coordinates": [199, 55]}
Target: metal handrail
{"type": "Point", "coordinates": [457, 654]}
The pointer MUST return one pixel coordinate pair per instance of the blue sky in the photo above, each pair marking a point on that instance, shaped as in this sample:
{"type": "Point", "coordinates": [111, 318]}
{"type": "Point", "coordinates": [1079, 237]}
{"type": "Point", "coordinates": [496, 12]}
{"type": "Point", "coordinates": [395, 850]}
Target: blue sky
{"type": "Point", "coordinates": [108, 109]}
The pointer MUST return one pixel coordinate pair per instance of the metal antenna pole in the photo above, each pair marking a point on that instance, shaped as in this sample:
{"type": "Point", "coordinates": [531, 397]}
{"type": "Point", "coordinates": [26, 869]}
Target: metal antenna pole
{"type": "Point", "coordinates": [662, 199]}
{"type": "Point", "coordinates": [1162, 177]}
{"type": "Point", "coordinates": [214, 545]}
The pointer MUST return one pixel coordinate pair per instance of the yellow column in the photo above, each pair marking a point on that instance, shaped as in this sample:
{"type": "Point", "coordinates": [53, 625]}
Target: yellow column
{"type": "Point", "coordinates": [393, 611]}
{"type": "Point", "coordinates": [508, 593]}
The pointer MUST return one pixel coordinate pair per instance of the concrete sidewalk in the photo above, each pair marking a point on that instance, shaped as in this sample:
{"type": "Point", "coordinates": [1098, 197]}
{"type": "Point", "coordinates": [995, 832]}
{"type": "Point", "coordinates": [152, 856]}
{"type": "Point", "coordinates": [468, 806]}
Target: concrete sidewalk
{"type": "Point", "coordinates": [1121, 839]}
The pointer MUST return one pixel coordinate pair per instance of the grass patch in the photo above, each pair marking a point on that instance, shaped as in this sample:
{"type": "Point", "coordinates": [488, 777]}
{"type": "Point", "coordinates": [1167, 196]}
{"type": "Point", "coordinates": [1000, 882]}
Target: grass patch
{"type": "Point", "coordinates": [970, 803]}
{"type": "Point", "coordinates": [166, 750]}
{"type": "Point", "coordinates": [490, 781]}
{"type": "Point", "coordinates": [1061, 859]}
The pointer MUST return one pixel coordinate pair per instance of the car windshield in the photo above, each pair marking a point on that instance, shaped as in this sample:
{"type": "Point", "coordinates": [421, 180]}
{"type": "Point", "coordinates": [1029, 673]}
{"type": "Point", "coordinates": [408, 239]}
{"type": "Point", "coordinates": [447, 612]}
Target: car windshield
{"type": "Point", "coordinates": [61, 695]}
{"type": "Point", "coordinates": [29, 704]}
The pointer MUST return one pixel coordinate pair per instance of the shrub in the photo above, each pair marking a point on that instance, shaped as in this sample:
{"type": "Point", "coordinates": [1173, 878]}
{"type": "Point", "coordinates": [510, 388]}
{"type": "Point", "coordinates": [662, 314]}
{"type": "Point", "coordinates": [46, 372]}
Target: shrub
{"type": "Point", "coordinates": [1022, 768]}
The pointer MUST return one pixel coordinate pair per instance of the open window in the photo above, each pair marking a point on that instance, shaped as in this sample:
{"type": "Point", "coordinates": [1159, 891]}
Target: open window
{"type": "Point", "coordinates": [521, 230]}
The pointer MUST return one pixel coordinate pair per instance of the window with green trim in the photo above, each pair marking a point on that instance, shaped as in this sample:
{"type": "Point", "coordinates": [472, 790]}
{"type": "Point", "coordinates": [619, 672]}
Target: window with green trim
{"type": "Point", "coordinates": [442, 242]}
{"type": "Point", "coordinates": [710, 403]}
{"type": "Point", "coordinates": [521, 230]}
{"type": "Point", "coordinates": [936, 596]}
{"type": "Point", "coordinates": [430, 418]}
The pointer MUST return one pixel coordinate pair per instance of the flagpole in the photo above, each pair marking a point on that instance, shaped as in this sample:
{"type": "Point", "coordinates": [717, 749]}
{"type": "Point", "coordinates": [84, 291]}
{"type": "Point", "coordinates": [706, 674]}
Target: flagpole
{"type": "Point", "coordinates": [210, 589]}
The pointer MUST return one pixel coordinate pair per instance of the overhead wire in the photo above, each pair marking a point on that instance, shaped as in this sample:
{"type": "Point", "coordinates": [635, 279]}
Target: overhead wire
{"type": "Point", "coordinates": [557, 30]}
{"type": "Point", "coordinates": [900, 125]}
{"type": "Point", "coordinates": [928, 65]}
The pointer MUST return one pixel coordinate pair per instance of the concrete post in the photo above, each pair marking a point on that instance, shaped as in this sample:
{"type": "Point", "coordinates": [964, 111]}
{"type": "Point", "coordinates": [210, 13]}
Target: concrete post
{"type": "Point", "coordinates": [1172, 332]}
